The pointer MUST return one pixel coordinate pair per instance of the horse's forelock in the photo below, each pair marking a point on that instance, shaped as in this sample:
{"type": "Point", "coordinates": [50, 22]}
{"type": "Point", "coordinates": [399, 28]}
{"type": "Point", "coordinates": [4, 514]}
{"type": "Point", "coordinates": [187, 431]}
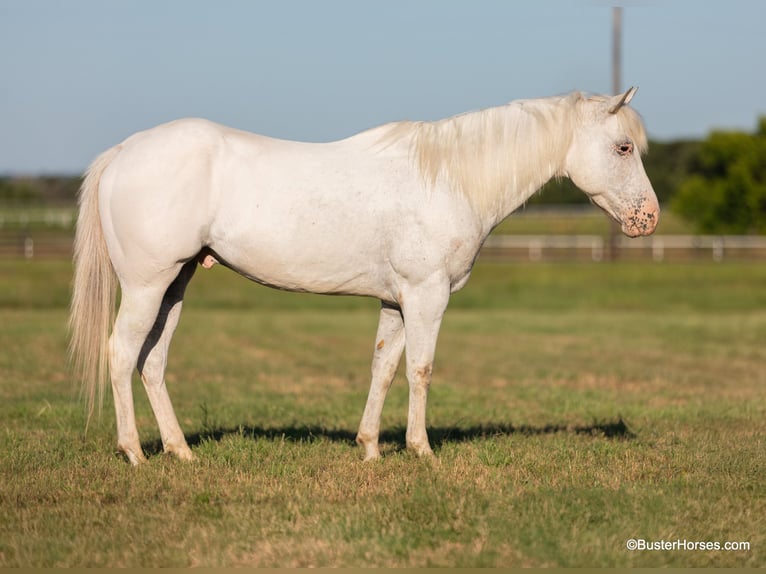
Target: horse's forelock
{"type": "Point", "coordinates": [634, 127]}
{"type": "Point", "coordinates": [630, 122]}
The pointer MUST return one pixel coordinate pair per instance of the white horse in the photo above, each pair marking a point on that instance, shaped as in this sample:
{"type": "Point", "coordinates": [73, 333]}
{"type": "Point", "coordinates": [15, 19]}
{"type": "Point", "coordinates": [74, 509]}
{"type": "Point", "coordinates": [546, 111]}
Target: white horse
{"type": "Point", "coordinates": [398, 212]}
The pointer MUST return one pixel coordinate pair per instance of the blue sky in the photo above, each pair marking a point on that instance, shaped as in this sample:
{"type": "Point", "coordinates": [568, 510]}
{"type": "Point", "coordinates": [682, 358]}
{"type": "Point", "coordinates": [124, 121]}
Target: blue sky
{"type": "Point", "coordinates": [78, 76]}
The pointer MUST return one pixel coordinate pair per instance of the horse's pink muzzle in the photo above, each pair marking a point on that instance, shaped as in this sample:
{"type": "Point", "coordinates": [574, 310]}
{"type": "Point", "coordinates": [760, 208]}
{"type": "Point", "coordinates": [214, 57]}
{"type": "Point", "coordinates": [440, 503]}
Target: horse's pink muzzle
{"type": "Point", "coordinates": [641, 220]}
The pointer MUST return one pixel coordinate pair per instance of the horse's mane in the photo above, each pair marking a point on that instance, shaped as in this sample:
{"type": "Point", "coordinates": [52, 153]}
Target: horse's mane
{"type": "Point", "coordinates": [514, 148]}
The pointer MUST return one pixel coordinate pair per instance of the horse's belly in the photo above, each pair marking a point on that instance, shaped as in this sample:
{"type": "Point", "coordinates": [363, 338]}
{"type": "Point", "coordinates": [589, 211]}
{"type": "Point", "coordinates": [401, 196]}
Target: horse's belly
{"type": "Point", "coordinates": [311, 262]}
{"type": "Point", "coordinates": [319, 276]}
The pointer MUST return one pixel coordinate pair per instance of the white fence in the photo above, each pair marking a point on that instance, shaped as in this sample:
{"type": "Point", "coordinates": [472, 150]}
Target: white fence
{"type": "Point", "coordinates": [54, 217]}
{"type": "Point", "coordinates": [21, 236]}
{"type": "Point", "coordinates": [535, 248]}
{"type": "Point", "coordinates": [658, 247]}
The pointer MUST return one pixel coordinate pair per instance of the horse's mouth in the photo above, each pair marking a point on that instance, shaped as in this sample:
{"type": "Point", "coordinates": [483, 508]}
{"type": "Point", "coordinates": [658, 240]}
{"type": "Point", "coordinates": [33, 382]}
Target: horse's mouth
{"type": "Point", "coordinates": [637, 223]}
{"type": "Point", "coordinates": [641, 224]}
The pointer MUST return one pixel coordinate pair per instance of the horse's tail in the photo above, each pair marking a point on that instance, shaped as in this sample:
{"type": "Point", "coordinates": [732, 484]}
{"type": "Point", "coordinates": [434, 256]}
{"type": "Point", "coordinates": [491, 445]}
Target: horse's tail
{"type": "Point", "coordinates": [94, 290]}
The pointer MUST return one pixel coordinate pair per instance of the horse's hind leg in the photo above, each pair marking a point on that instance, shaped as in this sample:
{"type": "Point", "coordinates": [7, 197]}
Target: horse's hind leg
{"type": "Point", "coordinates": [153, 360]}
{"type": "Point", "coordinates": [138, 312]}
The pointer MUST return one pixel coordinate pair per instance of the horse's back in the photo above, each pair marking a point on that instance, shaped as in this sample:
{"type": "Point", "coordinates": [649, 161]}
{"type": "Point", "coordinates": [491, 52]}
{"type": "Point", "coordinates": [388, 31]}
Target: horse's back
{"type": "Point", "coordinates": [191, 183]}
{"type": "Point", "coordinates": [336, 217]}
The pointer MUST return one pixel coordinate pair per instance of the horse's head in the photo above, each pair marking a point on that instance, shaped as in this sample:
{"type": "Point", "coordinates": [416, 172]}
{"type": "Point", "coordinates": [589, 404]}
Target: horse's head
{"type": "Point", "coordinates": [604, 160]}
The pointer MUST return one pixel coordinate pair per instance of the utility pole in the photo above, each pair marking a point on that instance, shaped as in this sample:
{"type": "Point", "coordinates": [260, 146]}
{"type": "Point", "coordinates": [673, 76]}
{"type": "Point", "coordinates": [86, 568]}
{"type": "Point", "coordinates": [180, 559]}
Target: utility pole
{"type": "Point", "coordinates": [614, 228]}
{"type": "Point", "coordinates": [616, 49]}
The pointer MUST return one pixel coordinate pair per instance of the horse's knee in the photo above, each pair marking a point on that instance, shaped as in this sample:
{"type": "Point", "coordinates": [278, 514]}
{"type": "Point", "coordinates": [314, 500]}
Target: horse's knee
{"type": "Point", "coordinates": [420, 378]}
{"type": "Point", "coordinates": [423, 374]}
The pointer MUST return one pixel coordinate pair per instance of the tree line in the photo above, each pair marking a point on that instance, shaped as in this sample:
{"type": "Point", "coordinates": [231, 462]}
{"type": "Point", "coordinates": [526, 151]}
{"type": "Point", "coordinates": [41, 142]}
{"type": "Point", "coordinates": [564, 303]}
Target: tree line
{"type": "Point", "coordinates": [718, 184]}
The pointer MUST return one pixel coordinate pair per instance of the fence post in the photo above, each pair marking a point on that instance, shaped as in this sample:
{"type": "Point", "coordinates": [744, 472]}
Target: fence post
{"type": "Point", "coordinates": [535, 250]}
{"type": "Point", "coordinates": [717, 249]}
{"type": "Point", "coordinates": [597, 248]}
{"type": "Point", "coordinates": [29, 247]}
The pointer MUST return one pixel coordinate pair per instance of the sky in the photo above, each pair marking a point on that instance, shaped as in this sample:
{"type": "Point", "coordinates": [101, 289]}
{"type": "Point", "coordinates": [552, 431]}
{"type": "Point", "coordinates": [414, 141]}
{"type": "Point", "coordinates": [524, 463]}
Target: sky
{"type": "Point", "coordinates": [79, 76]}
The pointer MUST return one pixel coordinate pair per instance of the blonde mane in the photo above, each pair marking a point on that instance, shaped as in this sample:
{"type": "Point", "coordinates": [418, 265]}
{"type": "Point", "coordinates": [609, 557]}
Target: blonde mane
{"type": "Point", "coordinates": [511, 149]}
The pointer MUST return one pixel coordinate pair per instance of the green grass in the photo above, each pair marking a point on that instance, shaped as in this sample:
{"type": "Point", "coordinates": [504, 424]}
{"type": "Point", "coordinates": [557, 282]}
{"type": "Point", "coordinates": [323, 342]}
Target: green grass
{"type": "Point", "coordinates": [573, 407]}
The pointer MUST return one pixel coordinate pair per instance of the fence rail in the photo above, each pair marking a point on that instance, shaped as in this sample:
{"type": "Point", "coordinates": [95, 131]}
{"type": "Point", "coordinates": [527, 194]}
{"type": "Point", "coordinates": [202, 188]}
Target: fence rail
{"type": "Point", "coordinates": [31, 244]}
{"type": "Point", "coordinates": [656, 247]}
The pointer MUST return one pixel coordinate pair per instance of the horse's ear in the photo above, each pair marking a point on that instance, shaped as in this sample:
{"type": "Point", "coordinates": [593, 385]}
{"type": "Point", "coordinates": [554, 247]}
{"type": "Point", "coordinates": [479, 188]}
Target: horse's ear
{"type": "Point", "coordinates": [616, 102]}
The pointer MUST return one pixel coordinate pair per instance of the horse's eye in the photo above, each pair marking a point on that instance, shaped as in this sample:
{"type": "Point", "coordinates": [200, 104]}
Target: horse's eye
{"type": "Point", "coordinates": [624, 149]}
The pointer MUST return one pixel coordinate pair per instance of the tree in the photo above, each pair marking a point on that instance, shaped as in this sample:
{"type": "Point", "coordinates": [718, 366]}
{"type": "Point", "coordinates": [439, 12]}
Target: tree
{"type": "Point", "coordinates": [726, 189]}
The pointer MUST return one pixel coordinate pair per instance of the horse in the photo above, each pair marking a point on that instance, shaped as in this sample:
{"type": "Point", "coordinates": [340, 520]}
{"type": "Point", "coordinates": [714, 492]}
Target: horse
{"type": "Point", "coordinates": [398, 212]}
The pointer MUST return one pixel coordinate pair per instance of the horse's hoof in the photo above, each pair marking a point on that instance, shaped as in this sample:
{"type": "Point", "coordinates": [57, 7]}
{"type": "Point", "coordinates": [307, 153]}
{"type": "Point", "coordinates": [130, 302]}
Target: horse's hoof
{"type": "Point", "coordinates": [134, 457]}
{"type": "Point", "coordinates": [183, 453]}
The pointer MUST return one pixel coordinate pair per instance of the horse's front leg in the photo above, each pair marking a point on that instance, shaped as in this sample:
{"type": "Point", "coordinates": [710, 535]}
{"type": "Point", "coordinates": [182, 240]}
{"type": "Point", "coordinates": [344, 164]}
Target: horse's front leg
{"type": "Point", "coordinates": [423, 309]}
{"type": "Point", "coordinates": [389, 344]}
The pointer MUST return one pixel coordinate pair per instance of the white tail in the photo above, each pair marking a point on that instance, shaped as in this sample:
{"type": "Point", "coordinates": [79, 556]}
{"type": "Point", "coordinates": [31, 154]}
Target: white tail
{"type": "Point", "coordinates": [94, 290]}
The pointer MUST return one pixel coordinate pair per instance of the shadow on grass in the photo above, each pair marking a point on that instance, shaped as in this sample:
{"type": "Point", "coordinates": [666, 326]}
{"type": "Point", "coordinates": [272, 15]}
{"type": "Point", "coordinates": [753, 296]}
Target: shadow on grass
{"type": "Point", "coordinates": [439, 436]}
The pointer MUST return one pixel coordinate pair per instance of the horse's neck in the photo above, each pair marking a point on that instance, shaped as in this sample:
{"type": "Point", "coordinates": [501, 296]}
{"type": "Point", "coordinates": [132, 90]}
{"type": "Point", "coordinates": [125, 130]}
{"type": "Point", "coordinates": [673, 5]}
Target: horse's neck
{"type": "Point", "coordinates": [498, 157]}
{"type": "Point", "coordinates": [538, 156]}
{"type": "Point", "coordinates": [515, 197]}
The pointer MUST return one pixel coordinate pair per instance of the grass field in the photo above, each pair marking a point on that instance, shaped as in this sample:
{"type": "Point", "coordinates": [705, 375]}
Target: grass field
{"type": "Point", "coordinates": [574, 407]}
